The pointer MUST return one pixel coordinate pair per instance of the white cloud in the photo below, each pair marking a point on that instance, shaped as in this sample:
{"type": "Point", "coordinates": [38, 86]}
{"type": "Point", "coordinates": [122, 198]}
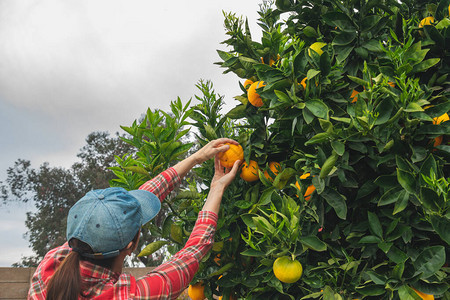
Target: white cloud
{"type": "Point", "coordinates": [68, 68]}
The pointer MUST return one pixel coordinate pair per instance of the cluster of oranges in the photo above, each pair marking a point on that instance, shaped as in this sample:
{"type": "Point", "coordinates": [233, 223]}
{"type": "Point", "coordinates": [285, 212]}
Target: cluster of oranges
{"type": "Point", "coordinates": [250, 170]}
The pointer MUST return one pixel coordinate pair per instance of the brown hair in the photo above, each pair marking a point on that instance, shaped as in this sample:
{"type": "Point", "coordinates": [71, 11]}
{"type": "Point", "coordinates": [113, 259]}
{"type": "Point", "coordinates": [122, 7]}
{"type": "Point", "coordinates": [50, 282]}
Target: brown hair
{"type": "Point", "coordinates": [66, 284]}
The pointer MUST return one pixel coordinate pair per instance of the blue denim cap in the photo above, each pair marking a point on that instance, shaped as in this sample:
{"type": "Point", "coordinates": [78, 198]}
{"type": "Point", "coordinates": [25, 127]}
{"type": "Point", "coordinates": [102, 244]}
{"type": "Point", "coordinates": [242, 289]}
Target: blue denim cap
{"type": "Point", "coordinates": [107, 220]}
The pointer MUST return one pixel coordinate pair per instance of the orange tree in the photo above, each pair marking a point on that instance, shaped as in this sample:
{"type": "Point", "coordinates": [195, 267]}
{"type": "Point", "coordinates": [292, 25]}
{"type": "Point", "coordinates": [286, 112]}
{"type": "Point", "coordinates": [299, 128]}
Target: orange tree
{"type": "Point", "coordinates": [355, 94]}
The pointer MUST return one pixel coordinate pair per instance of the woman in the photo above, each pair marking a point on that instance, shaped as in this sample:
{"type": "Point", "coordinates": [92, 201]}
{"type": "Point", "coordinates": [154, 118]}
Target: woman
{"type": "Point", "coordinates": [103, 229]}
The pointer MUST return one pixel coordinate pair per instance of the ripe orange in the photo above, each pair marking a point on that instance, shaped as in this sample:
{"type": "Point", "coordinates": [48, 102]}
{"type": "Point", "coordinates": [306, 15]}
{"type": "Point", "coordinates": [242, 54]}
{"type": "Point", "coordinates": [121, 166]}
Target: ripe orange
{"type": "Point", "coordinates": [247, 83]}
{"type": "Point", "coordinates": [354, 96]}
{"type": "Point", "coordinates": [233, 154]}
{"type": "Point", "coordinates": [423, 295]}
{"type": "Point", "coordinates": [196, 291]}
{"type": "Point", "coordinates": [441, 119]}
{"type": "Point", "coordinates": [426, 21]}
{"type": "Point", "coordinates": [287, 270]}
{"type": "Point", "coordinates": [275, 167]}
{"type": "Point", "coordinates": [303, 82]}
{"type": "Point", "coordinates": [253, 96]}
{"type": "Point", "coordinates": [217, 259]}
{"type": "Point", "coordinates": [249, 171]}
{"type": "Point", "coordinates": [309, 190]}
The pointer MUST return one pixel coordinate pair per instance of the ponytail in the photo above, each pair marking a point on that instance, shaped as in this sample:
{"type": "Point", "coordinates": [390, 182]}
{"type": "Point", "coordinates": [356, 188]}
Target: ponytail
{"type": "Point", "coordinates": [65, 284]}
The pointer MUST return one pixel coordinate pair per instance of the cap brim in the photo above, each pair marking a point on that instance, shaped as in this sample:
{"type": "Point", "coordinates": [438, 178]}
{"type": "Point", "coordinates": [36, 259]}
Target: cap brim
{"type": "Point", "coordinates": [150, 204]}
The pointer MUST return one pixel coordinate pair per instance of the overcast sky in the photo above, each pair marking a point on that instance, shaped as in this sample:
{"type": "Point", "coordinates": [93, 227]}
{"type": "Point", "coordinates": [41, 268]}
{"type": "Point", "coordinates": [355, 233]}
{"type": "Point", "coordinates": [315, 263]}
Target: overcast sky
{"type": "Point", "coordinates": [68, 68]}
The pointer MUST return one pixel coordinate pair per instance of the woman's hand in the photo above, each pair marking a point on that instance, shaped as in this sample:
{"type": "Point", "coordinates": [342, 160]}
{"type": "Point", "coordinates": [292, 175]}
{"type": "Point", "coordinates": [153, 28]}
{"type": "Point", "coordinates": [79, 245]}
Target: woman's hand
{"type": "Point", "coordinates": [221, 180]}
{"type": "Point", "coordinates": [212, 148]}
{"type": "Point", "coordinates": [223, 176]}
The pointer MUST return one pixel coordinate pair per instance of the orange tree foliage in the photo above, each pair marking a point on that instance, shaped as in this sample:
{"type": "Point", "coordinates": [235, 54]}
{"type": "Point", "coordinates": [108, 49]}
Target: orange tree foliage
{"type": "Point", "coordinates": [377, 225]}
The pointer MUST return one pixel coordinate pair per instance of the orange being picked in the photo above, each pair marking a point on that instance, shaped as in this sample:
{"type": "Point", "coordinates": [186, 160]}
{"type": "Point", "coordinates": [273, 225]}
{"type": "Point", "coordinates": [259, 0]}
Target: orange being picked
{"type": "Point", "coordinates": [275, 167]}
{"type": "Point", "coordinates": [253, 96]}
{"type": "Point", "coordinates": [233, 154]}
{"type": "Point", "coordinates": [196, 291]}
{"type": "Point", "coordinates": [287, 270]}
{"type": "Point", "coordinates": [249, 171]}
{"type": "Point", "coordinates": [354, 96]}
{"type": "Point", "coordinates": [441, 119]}
{"type": "Point", "coordinates": [423, 295]}
{"type": "Point", "coordinates": [247, 83]}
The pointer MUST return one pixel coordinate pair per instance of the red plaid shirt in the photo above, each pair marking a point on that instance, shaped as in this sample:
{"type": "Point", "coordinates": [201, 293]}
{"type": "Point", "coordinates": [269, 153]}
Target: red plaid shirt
{"type": "Point", "coordinates": [165, 282]}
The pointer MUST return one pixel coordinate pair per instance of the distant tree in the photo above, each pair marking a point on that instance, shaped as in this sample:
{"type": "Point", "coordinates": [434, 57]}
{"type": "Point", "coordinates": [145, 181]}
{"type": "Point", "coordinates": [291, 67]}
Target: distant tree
{"type": "Point", "coordinates": [53, 190]}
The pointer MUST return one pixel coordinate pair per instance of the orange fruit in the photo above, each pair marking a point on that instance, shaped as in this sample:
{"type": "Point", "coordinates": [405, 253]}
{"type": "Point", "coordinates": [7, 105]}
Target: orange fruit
{"type": "Point", "coordinates": [438, 141]}
{"type": "Point", "coordinates": [426, 21]}
{"type": "Point", "coordinates": [249, 171]}
{"type": "Point", "coordinates": [287, 270]}
{"type": "Point", "coordinates": [275, 167]}
{"type": "Point", "coordinates": [233, 154]}
{"type": "Point", "coordinates": [247, 83]}
{"type": "Point", "coordinates": [354, 96]}
{"type": "Point", "coordinates": [317, 47]}
{"type": "Point", "coordinates": [423, 295]}
{"type": "Point", "coordinates": [217, 259]}
{"type": "Point", "coordinates": [196, 291]}
{"type": "Point", "coordinates": [303, 82]}
{"type": "Point", "coordinates": [441, 119]}
{"type": "Point", "coordinates": [309, 190]}
{"type": "Point", "coordinates": [253, 96]}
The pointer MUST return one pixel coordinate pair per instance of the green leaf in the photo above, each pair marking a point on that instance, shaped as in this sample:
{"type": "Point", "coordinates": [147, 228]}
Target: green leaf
{"type": "Point", "coordinates": [430, 199]}
{"type": "Point", "coordinates": [401, 203]}
{"type": "Point", "coordinates": [152, 247]}
{"type": "Point", "coordinates": [343, 53]}
{"type": "Point", "coordinates": [371, 290]}
{"type": "Point", "coordinates": [313, 242]}
{"type": "Point", "coordinates": [312, 73]}
{"type": "Point", "coordinates": [391, 196]}
{"type": "Point", "coordinates": [407, 293]}
{"type": "Point", "coordinates": [282, 97]}
{"type": "Point", "coordinates": [338, 147]}
{"type": "Point", "coordinates": [237, 112]}
{"type": "Point", "coordinates": [430, 261]}
{"type": "Point", "coordinates": [337, 201]}
{"type": "Point", "coordinates": [318, 139]}
{"type": "Point", "coordinates": [282, 178]}
{"type": "Point", "coordinates": [359, 81]}
{"type": "Point", "coordinates": [318, 108]}
{"type": "Point", "coordinates": [325, 64]}
{"type": "Point", "coordinates": [384, 110]}
{"type": "Point", "coordinates": [396, 255]}
{"type": "Point", "coordinates": [375, 225]}
{"type": "Point", "coordinates": [425, 65]}
{"type": "Point", "coordinates": [370, 239]}
{"type": "Point", "coordinates": [344, 38]}
{"type": "Point", "coordinates": [263, 225]}
{"type": "Point", "coordinates": [253, 252]}
{"type": "Point", "coordinates": [248, 220]}
{"type": "Point", "coordinates": [407, 181]}
{"type": "Point", "coordinates": [137, 169]}
{"type": "Point", "coordinates": [442, 226]}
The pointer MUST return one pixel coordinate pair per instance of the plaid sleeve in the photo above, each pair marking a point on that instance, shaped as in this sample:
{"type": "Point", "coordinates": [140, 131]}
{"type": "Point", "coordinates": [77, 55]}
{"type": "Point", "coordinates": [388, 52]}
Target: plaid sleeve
{"type": "Point", "coordinates": [169, 279]}
{"type": "Point", "coordinates": [162, 184]}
